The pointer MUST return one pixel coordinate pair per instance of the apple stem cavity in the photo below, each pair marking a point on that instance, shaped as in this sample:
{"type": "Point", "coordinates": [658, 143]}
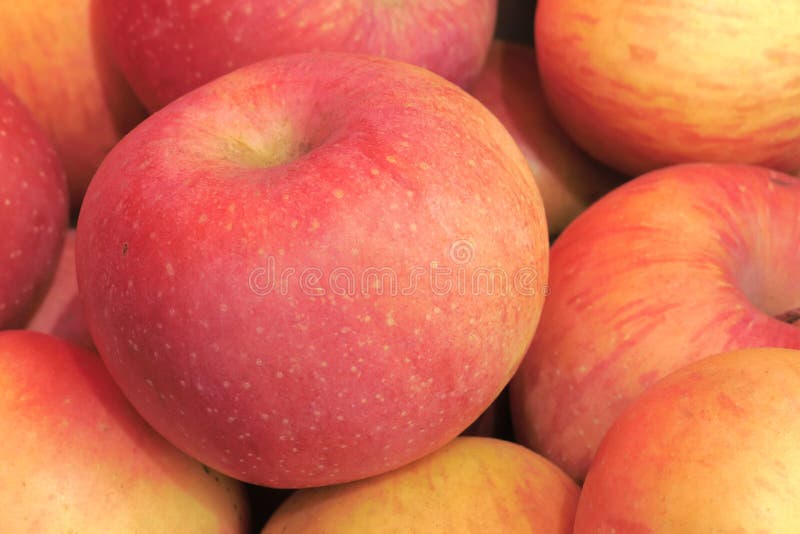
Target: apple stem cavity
{"type": "Point", "coordinates": [792, 317]}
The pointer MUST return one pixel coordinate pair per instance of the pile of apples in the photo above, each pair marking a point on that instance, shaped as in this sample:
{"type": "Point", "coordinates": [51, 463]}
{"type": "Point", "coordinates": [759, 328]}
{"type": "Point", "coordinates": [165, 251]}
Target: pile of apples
{"type": "Point", "coordinates": [399, 266]}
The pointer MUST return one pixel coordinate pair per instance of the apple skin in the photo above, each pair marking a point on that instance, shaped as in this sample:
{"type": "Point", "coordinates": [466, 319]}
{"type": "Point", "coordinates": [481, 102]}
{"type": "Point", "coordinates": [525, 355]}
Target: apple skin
{"type": "Point", "coordinates": [326, 161]}
{"type": "Point", "coordinates": [675, 265]}
{"type": "Point", "coordinates": [472, 484]}
{"type": "Point", "coordinates": [710, 448]}
{"type": "Point", "coordinates": [76, 457]}
{"type": "Point", "coordinates": [168, 47]}
{"type": "Point", "coordinates": [33, 211]}
{"type": "Point", "coordinates": [61, 311]}
{"type": "Point", "coordinates": [54, 58]}
{"type": "Point", "coordinates": [638, 86]}
{"type": "Point", "coordinates": [568, 179]}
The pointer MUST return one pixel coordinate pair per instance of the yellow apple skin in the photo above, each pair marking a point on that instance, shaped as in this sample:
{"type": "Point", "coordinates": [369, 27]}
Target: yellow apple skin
{"type": "Point", "coordinates": [76, 457]}
{"type": "Point", "coordinates": [473, 484]}
{"type": "Point", "coordinates": [568, 178]}
{"type": "Point", "coordinates": [712, 448]}
{"type": "Point", "coordinates": [53, 57]}
{"type": "Point", "coordinates": [642, 85]}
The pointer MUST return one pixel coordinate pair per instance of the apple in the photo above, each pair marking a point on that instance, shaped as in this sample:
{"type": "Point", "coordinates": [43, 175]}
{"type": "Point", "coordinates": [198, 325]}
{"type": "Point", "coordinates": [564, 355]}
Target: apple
{"type": "Point", "coordinates": [471, 485]}
{"type": "Point", "coordinates": [710, 448]}
{"type": "Point", "coordinates": [643, 85]}
{"type": "Point", "coordinates": [165, 48]}
{"type": "Point", "coordinates": [675, 265]}
{"type": "Point", "coordinates": [33, 211]}
{"type": "Point", "coordinates": [61, 312]}
{"type": "Point", "coordinates": [75, 456]}
{"type": "Point", "coordinates": [567, 178]}
{"type": "Point", "coordinates": [53, 56]}
{"type": "Point", "coordinates": [315, 269]}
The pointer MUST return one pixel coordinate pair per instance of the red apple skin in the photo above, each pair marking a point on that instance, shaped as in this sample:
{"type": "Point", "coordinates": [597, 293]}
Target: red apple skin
{"type": "Point", "coordinates": [640, 86]}
{"type": "Point", "coordinates": [54, 57]}
{"type": "Point", "coordinates": [568, 179]}
{"type": "Point", "coordinates": [76, 457]}
{"type": "Point", "coordinates": [61, 311]}
{"type": "Point", "coordinates": [471, 484]}
{"type": "Point", "coordinates": [333, 162]}
{"type": "Point", "coordinates": [168, 47]}
{"type": "Point", "coordinates": [710, 448]}
{"type": "Point", "coordinates": [673, 266]}
{"type": "Point", "coordinates": [33, 211]}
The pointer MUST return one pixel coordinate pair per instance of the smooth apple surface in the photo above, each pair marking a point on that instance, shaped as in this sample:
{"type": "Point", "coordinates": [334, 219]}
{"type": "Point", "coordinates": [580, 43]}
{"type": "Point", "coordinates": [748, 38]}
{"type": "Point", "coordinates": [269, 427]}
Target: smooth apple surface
{"type": "Point", "coordinates": [470, 485]}
{"type": "Point", "coordinates": [568, 179]}
{"type": "Point", "coordinates": [315, 269]}
{"type": "Point", "coordinates": [61, 312]}
{"type": "Point", "coordinates": [168, 47]}
{"type": "Point", "coordinates": [54, 57]}
{"type": "Point", "coordinates": [710, 448]}
{"type": "Point", "coordinates": [673, 266]}
{"type": "Point", "coordinates": [76, 457]}
{"type": "Point", "coordinates": [643, 85]}
{"type": "Point", "coordinates": [33, 211]}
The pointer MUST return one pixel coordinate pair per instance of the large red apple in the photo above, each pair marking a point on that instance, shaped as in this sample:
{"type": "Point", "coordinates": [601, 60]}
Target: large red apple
{"type": "Point", "coordinates": [168, 47]}
{"type": "Point", "coordinates": [33, 211]}
{"type": "Point", "coordinates": [678, 264]}
{"type": "Point", "coordinates": [61, 312]}
{"type": "Point", "coordinates": [54, 57]}
{"type": "Point", "coordinates": [76, 457]}
{"type": "Point", "coordinates": [711, 448]}
{"type": "Point", "coordinates": [567, 178]}
{"type": "Point", "coordinates": [642, 85]}
{"type": "Point", "coordinates": [316, 269]}
{"type": "Point", "coordinates": [470, 485]}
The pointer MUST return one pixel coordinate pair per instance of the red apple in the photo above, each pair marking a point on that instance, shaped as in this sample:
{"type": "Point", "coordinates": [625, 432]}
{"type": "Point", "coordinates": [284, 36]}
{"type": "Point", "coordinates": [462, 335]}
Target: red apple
{"type": "Point", "coordinates": [711, 448]}
{"type": "Point", "coordinates": [168, 47]}
{"type": "Point", "coordinates": [642, 85]}
{"type": "Point", "coordinates": [678, 264]}
{"type": "Point", "coordinates": [76, 457]}
{"type": "Point", "coordinates": [315, 269]}
{"type": "Point", "coordinates": [470, 485]}
{"type": "Point", "coordinates": [61, 312]}
{"type": "Point", "coordinates": [568, 179]}
{"type": "Point", "coordinates": [53, 56]}
{"type": "Point", "coordinates": [33, 211]}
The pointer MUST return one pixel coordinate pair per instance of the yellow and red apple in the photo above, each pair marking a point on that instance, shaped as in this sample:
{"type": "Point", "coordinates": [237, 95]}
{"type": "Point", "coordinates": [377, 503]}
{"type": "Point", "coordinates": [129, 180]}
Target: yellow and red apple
{"type": "Point", "coordinates": [351, 273]}
{"type": "Point", "coordinates": [710, 448]}
{"type": "Point", "coordinates": [675, 265]}
{"type": "Point", "coordinates": [76, 457]}
{"type": "Point", "coordinates": [643, 85]}
{"type": "Point", "coordinates": [470, 485]}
